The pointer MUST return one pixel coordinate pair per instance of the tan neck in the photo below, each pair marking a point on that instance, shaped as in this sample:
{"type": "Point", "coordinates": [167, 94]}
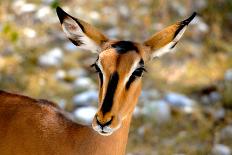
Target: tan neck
{"type": "Point", "coordinates": [39, 127]}
{"type": "Point", "coordinates": [114, 144]}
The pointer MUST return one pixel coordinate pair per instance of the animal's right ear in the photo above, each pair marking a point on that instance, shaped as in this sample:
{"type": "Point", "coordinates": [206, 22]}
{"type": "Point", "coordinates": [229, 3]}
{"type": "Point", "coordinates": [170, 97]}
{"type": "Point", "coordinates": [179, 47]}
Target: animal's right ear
{"type": "Point", "coordinates": [81, 33]}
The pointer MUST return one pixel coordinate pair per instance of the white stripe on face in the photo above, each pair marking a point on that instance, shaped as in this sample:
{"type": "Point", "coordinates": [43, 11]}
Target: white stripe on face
{"type": "Point", "coordinates": [134, 66]}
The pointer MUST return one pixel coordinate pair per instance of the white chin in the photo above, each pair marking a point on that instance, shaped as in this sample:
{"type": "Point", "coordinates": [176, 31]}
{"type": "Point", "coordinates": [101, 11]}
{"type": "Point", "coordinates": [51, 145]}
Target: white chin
{"type": "Point", "coordinates": [104, 133]}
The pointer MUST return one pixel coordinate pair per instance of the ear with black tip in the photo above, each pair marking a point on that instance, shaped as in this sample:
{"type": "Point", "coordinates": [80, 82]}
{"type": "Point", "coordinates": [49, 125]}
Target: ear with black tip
{"type": "Point", "coordinates": [165, 40]}
{"type": "Point", "coordinates": [81, 33]}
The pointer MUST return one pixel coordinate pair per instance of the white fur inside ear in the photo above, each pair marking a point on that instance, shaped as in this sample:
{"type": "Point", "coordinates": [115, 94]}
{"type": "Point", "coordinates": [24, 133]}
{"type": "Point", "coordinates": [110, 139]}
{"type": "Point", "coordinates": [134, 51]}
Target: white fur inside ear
{"type": "Point", "coordinates": [75, 33]}
{"type": "Point", "coordinates": [169, 47]}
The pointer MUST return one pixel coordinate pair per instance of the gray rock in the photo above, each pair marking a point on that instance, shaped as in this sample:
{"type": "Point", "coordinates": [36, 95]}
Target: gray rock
{"type": "Point", "coordinates": [43, 13]}
{"type": "Point", "coordinates": [84, 83]}
{"type": "Point", "coordinates": [85, 114]}
{"type": "Point", "coordinates": [219, 114]}
{"type": "Point", "coordinates": [158, 110]}
{"type": "Point", "coordinates": [86, 98]}
{"type": "Point", "coordinates": [226, 133]}
{"type": "Point", "coordinates": [201, 26]}
{"type": "Point", "coordinates": [181, 101]}
{"type": "Point", "coordinates": [51, 58]}
{"type": "Point", "coordinates": [60, 74]}
{"type": "Point", "coordinates": [178, 7]}
{"type": "Point", "coordinates": [220, 149]}
{"type": "Point", "coordinates": [149, 95]}
{"type": "Point", "coordinates": [137, 111]}
{"type": "Point", "coordinates": [199, 4]}
{"type": "Point", "coordinates": [70, 47]}
{"type": "Point", "coordinates": [21, 7]}
{"type": "Point", "coordinates": [228, 75]}
{"type": "Point", "coordinates": [113, 32]}
{"type": "Point", "coordinates": [80, 72]}
{"type": "Point", "coordinates": [212, 98]}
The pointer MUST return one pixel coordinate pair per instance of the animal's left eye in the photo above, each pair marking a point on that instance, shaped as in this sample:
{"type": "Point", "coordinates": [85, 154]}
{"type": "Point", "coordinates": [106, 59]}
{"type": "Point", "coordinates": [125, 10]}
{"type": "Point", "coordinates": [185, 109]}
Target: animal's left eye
{"type": "Point", "coordinates": [98, 70]}
{"type": "Point", "coordinates": [139, 72]}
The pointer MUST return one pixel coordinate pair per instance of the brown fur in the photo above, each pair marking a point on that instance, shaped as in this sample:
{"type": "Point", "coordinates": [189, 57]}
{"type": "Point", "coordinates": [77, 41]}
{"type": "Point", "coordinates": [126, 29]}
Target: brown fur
{"type": "Point", "coordinates": [32, 127]}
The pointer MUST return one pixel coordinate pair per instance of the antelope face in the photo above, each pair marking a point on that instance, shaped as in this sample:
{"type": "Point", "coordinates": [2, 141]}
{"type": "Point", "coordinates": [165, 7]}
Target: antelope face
{"type": "Point", "coordinates": [120, 66]}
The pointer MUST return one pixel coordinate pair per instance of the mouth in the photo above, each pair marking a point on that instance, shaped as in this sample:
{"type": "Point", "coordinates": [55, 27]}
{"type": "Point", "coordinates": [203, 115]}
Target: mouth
{"type": "Point", "coordinates": [103, 133]}
{"type": "Point", "coordinates": [106, 131]}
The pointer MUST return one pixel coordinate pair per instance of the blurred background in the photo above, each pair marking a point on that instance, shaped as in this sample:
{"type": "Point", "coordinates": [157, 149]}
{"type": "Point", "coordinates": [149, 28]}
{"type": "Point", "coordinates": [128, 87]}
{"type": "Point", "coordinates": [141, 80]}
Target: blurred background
{"type": "Point", "coordinates": [185, 106]}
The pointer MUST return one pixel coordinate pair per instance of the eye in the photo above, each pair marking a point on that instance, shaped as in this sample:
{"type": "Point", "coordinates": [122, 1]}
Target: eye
{"type": "Point", "coordinates": [97, 69]}
{"type": "Point", "coordinates": [138, 72]}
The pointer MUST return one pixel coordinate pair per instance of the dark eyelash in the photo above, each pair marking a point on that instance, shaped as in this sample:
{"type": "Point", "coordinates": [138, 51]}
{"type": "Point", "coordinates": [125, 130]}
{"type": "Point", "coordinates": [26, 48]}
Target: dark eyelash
{"type": "Point", "coordinates": [139, 71]}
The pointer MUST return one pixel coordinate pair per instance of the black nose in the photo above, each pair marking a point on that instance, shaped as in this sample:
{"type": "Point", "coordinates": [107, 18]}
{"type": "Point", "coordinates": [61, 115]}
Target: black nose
{"type": "Point", "coordinates": [104, 124]}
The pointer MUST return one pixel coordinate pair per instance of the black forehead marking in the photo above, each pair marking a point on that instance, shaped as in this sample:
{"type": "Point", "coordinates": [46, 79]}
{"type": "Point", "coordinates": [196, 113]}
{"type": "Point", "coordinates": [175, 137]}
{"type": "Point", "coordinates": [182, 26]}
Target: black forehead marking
{"type": "Point", "coordinates": [111, 88]}
{"type": "Point", "coordinates": [141, 62]}
{"type": "Point", "coordinates": [124, 46]}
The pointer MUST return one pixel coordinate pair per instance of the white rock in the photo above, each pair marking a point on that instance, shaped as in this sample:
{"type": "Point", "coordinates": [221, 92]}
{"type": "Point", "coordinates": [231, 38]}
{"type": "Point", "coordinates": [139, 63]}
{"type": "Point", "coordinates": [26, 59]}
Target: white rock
{"type": "Point", "coordinates": [60, 74]}
{"type": "Point", "coordinates": [149, 95]}
{"type": "Point", "coordinates": [200, 24]}
{"type": "Point", "coordinates": [220, 149]}
{"type": "Point", "coordinates": [85, 114]}
{"type": "Point", "coordinates": [86, 98]}
{"type": "Point", "coordinates": [70, 47]}
{"type": "Point", "coordinates": [199, 4]}
{"type": "Point", "coordinates": [20, 7]}
{"type": "Point", "coordinates": [30, 33]}
{"type": "Point", "coordinates": [228, 75]}
{"type": "Point", "coordinates": [113, 32]}
{"type": "Point", "coordinates": [179, 8]}
{"type": "Point", "coordinates": [124, 11]}
{"type": "Point", "coordinates": [94, 15]}
{"type": "Point", "coordinates": [51, 58]}
{"type": "Point", "coordinates": [84, 83]}
{"type": "Point", "coordinates": [137, 111]}
{"type": "Point", "coordinates": [43, 12]}
{"type": "Point", "coordinates": [157, 110]}
{"type": "Point", "coordinates": [179, 100]}
{"type": "Point", "coordinates": [62, 103]}
{"type": "Point", "coordinates": [77, 72]}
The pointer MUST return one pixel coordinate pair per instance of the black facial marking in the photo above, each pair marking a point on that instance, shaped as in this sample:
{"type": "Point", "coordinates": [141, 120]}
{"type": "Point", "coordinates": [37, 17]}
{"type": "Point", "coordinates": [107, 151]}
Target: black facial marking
{"type": "Point", "coordinates": [62, 15]}
{"type": "Point", "coordinates": [137, 73]}
{"type": "Point", "coordinates": [101, 78]}
{"type": "Point", "coordinates": [174, 45]}
{"type": "Point", "coordinates": [131, 79]}
{"type": "Point", "coordinates": [141, 62]}
{"type": "Point", "coordinates": [124, 46]}
{"type": "Point", "coordinates": [108, 100]}
{"type": "Point", "coordinates": [76, 41]}
{"type": "Point", "coordinates": [98, 70]}
{"type": "Point", "coordinates": [184, 23]}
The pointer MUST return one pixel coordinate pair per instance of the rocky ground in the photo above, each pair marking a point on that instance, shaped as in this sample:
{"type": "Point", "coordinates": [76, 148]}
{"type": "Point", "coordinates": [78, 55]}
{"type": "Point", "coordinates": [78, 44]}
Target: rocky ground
{"type": "Point", "coordinates": [185, 105]}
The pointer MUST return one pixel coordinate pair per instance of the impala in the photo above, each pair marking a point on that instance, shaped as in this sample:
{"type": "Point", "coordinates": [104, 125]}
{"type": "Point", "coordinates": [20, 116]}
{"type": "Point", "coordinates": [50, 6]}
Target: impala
{"type": "Point", "coordinates": [38, 127]}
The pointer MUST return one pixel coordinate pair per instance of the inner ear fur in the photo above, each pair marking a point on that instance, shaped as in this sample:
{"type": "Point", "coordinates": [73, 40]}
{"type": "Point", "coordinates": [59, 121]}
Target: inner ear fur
{"type": "Point", "coordinates": [168, 36]}
{"type": "Point", "coordinates": [90, 31]}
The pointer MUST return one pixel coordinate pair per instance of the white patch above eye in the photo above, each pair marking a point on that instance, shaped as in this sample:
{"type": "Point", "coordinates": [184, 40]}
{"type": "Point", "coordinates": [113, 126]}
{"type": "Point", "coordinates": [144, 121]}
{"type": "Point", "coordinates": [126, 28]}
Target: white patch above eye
{"type": "Point", "coordinates": [168, 48]}
{"type": "Point", "coordinates": [75, 33]}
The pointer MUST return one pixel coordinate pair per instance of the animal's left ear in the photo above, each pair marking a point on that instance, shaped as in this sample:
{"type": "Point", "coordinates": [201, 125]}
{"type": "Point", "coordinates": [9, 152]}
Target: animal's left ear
{"type": "Point", "coordinates": [165, 40]}
{"type": "Point", "coordinates": [80, 33]}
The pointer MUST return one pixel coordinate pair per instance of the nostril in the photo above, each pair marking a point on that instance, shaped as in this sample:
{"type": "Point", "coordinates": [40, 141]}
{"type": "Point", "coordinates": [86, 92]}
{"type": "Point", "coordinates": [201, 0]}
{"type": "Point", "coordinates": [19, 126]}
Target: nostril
{"type": "Point", "coordinates": [104, 124]}
{"type": "Point", "coordinates": [109, 122]}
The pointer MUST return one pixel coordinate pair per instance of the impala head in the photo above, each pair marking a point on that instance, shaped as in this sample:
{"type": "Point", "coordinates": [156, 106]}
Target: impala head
{"type": "Point", "coordinates": [120, 66]}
